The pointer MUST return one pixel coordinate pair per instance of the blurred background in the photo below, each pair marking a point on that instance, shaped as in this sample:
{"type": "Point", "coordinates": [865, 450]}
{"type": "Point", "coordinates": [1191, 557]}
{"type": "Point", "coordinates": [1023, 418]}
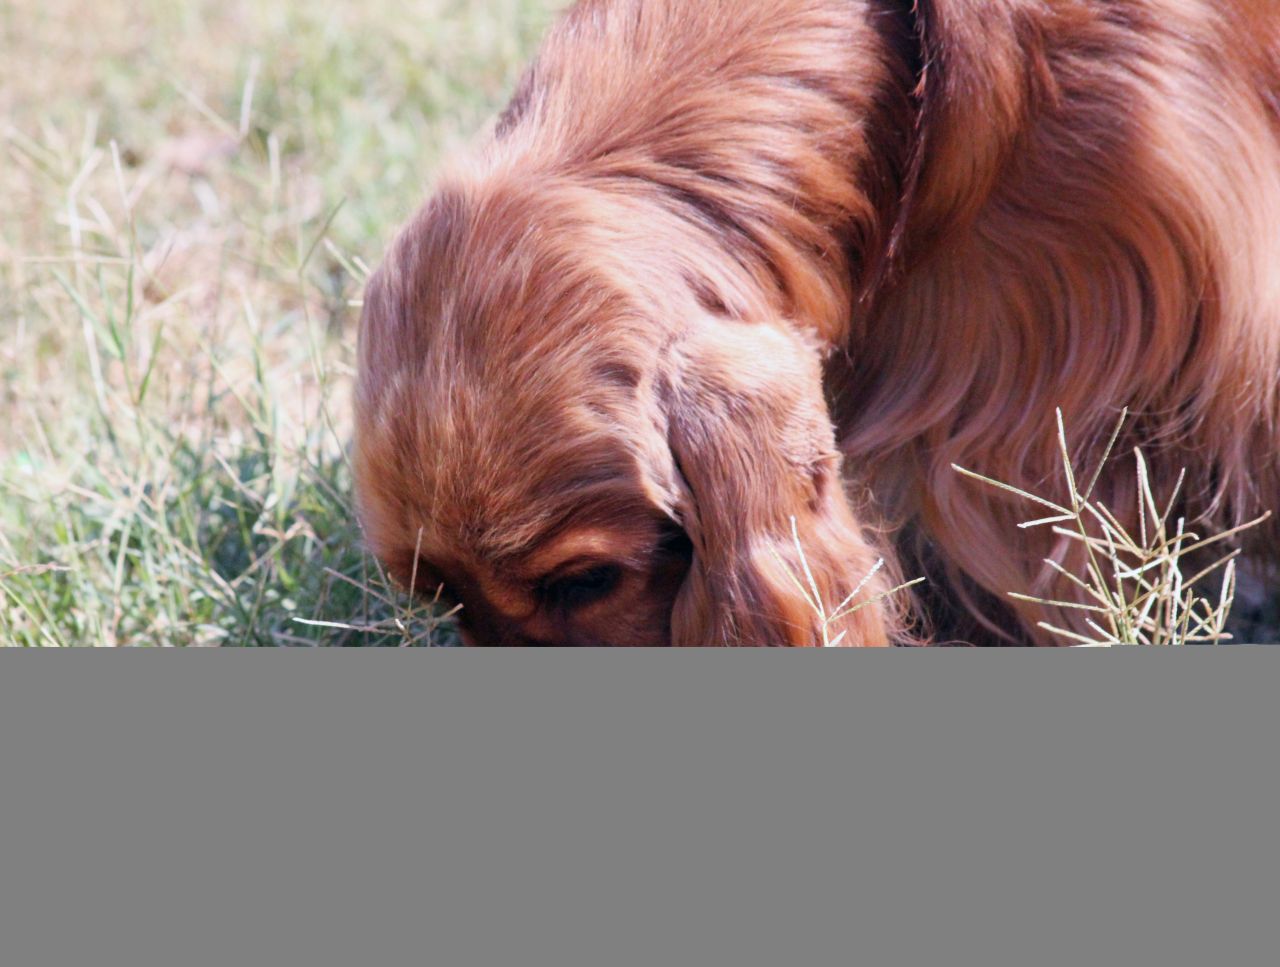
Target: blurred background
{"type": "Point", "coordinates": [193, 193]}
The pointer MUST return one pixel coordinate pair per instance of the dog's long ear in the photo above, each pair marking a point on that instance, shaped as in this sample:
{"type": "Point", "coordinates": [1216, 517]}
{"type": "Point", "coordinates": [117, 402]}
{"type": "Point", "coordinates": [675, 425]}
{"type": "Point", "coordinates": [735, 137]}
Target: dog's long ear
{"type": "Point", "coordinates": [761, 498]}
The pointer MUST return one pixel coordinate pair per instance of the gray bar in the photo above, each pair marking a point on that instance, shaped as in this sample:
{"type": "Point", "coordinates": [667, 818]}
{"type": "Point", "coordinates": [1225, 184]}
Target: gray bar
{"type": "Point", "coordinates": [494, 808]}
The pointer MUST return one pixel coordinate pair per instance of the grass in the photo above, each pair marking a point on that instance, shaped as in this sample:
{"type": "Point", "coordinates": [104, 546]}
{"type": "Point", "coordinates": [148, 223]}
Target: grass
{"type": "Point", "coordinates": [828, 616]}
{"type": "Point", "coordinates": [194, 193]}
{"type": "Point", "coordinates": [1136, 589]}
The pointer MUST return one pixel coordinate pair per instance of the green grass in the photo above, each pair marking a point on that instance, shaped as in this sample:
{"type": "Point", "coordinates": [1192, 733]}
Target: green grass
{"type": "Point", "coordinates": [194, 192]}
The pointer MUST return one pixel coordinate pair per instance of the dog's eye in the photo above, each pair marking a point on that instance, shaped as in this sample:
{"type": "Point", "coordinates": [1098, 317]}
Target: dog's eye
{"type": "Point", "coordinates": [583, 588]}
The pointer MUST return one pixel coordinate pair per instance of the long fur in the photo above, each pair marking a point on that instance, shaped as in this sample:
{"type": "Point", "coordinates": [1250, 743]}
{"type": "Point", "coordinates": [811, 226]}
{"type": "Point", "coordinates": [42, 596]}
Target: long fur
{"type": "Point", "coordinates": [764, 261]}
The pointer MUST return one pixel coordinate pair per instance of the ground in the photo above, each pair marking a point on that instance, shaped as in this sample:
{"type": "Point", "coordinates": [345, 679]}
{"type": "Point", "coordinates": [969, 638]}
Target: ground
{"type": "Point", "coordinates": [193, 193]}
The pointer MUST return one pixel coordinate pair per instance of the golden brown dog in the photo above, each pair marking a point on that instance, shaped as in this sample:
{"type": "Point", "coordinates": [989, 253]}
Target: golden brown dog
{"type": "Point", "coordinates": [726, 265]}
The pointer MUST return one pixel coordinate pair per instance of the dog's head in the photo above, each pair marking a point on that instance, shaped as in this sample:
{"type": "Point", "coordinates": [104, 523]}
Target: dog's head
{"type": "Point", "coordinates": [588, 432]}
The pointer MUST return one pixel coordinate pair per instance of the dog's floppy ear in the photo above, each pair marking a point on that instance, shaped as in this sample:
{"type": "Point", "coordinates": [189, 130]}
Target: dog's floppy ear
{"type": "Point", "coordinates": [761, 497]}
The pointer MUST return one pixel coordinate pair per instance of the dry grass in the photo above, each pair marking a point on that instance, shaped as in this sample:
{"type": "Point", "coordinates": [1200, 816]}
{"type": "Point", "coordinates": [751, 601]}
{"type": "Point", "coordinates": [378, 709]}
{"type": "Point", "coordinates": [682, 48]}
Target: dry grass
{"type": "Point", "coordinates": [829, 615]}
{"type": "Point", "coordinates": [1135, 584]}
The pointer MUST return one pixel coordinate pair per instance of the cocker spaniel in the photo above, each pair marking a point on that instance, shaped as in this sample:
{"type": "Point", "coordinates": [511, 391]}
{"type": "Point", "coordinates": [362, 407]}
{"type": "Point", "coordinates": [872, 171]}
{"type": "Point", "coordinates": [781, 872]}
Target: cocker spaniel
{"type": "Point", "coordinates": [708, 317]}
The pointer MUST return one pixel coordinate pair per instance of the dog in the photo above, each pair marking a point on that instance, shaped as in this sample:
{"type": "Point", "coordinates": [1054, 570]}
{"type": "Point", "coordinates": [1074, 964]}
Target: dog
{"type": "Point", "coordinates": [691, 342]}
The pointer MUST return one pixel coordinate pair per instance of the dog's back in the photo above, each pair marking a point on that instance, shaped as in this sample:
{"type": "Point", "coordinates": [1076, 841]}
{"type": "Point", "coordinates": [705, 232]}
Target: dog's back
{"type": "Point", "coordinates": [1096, 225]}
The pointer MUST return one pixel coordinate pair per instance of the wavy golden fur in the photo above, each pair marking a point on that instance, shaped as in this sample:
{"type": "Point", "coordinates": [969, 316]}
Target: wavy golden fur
{"type": "Point", "coordinates": [726, 264]}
